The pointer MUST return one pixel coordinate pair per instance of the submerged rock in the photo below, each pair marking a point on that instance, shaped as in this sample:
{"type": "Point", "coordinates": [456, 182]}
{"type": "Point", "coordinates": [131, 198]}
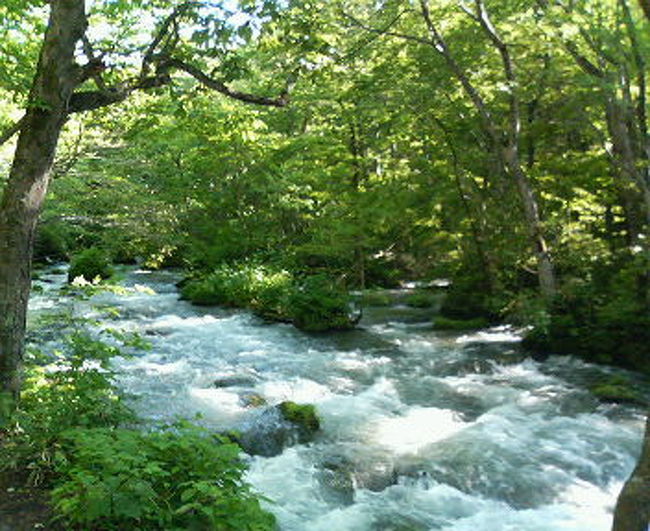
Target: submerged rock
{"type": "Point", "coordinates": [235, 380]}
{"type": "Point", "coordinates": [339, 475]}
{"type": "Point", "coordinates": [335, 476]}
{"type": "Point", "coordinates": [273, 429]}
{"type": "Point", "coordinates": [252, 399]}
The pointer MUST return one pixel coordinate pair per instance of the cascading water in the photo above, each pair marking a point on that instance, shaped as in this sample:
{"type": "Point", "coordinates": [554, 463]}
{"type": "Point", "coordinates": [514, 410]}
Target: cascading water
{"type": "Point", "coordinates": [420, 429]}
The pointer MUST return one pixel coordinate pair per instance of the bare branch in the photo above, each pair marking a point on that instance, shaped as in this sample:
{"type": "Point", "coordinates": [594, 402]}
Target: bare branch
{"type": "Point", "coordinates": [162, 34]}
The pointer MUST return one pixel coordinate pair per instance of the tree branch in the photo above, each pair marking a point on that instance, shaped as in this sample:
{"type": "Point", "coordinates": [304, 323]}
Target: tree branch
{"type": "Point", "coordinates": [89, 100]}
{"type": "Point", "coordinates": [584, 63]}
{"type": "Point", "coordinates": [384, 31]}
{"type": "Point", "coordinates": [214, 84]}
{"type": "Point", "coordinates": [162, 33]}
{"type": "Point", "coordinates": [11, 131]}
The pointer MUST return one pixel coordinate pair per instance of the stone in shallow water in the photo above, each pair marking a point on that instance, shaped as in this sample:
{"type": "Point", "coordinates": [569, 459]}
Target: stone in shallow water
{"type": "Point", "coordinates": [362, 471]}
{"type": "Point", "coordinates": [269, 432]}
{"type": "Point", "coordinates": [236, 380]}
{"type": "Point", "coordinates": [252, 399]}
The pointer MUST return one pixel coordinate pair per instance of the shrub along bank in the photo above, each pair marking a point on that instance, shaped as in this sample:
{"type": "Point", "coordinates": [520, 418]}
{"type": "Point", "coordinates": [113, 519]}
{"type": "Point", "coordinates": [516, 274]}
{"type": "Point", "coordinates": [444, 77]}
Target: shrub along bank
{"type": "Point", "coordinates": [312, 303]}
{"type": "Point", "coordinates": [71, 437]}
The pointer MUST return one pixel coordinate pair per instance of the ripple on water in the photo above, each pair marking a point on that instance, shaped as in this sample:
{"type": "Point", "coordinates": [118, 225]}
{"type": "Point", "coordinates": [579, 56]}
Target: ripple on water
{"type": "Point", "coordinates": [420, 430]}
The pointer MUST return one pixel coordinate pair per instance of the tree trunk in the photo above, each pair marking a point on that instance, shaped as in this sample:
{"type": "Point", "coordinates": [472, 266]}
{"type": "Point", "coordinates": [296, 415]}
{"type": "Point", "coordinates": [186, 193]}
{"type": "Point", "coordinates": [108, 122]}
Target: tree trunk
{"type": "Point", "coordinates": [633, 506]}
{"type": "Point", "coordinates": [57, 74]}
{"type": "Point", "coordinates": [632, 180]}
{"type": "Point", "coordinates": [545, 271]}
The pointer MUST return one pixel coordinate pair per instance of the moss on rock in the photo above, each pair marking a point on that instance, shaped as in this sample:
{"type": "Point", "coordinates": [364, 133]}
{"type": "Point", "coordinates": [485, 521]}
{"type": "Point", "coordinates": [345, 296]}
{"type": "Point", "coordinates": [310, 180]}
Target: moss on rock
{"type": "Point", "coordinates": [303, 415]}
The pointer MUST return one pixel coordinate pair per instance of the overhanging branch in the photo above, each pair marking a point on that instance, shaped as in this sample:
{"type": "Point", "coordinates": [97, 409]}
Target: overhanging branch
{"type": "Point", "coordinates": [214, 84]}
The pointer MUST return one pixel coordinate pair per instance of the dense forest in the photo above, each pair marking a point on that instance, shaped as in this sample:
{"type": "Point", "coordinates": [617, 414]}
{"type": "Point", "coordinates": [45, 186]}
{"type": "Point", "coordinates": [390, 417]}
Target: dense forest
{"type": "Point", "coordinates": [304, 160]}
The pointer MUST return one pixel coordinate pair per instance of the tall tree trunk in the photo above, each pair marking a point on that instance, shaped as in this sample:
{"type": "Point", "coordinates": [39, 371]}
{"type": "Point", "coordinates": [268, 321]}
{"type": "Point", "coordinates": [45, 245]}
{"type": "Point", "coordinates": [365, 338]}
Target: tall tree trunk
{"type": "Point", "coordinates": [545, 271]}
{"type": "Point", "coordinates": [56, 76]}
{"type": "Point", "coordinates": [633, 506]}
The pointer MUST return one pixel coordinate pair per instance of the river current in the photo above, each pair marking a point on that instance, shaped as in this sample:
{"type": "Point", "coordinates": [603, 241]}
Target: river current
{"type": "Point", "coordinates": [421, 429]}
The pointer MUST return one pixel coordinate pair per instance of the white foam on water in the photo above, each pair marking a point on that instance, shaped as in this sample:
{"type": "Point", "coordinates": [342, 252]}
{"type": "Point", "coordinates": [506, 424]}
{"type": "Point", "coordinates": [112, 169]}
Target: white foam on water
{"type": "Point", "coordinates": [288, 480]}
{"type": "Point", "coordinates": [497, 334]}
{"type": "Point", "coordinates": [521, 464]}
{"type": "Point", "coordinates": [298, 390]}
{"type": "Point", "coordinates": [417, 428]}
{"type": "Point", "coordinates": [217, 405]}
{"type": "Point", "coordinates": [356, 361]}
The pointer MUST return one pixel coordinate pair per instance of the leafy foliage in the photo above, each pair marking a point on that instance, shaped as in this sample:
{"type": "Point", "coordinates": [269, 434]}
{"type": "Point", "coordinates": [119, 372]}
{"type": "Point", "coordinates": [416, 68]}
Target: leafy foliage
{"type": "Point", "coordinates": [178, 478]}
{"type": "Point", "coordinates": [69, 434]}
{"type": "Point", "coordinates": [90, 264]}
{"type": "Point", "coordinates": [318, 304]}
{"type": "Point", "coordinates": [313, 303]}
{"type": "Point", "coordinates": [76, 391]}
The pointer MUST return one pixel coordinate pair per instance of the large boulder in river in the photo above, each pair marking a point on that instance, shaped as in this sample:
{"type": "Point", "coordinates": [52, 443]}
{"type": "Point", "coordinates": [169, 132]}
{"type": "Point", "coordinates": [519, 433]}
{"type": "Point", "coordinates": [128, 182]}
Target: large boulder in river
{"type": "Point", "coordinates": [271, 430]}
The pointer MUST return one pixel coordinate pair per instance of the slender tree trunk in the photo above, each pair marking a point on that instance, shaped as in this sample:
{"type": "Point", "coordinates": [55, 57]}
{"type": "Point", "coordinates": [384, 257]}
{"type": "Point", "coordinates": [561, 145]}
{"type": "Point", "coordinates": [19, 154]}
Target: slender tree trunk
{"type": "Point", "coordinates": [56, 76]}
{"type": "Point", "coordinates": [633, 506]}
{"type": "Point", "coordinates": [545, 271]}
{"type": "Point", "coordinates": [632, 181]}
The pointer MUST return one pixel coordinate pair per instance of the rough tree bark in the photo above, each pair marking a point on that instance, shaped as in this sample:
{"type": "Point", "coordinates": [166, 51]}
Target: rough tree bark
{"type": "Point", "coordinates": [52, 99]}
{"type": "Point", "coordinates": [56, 77]}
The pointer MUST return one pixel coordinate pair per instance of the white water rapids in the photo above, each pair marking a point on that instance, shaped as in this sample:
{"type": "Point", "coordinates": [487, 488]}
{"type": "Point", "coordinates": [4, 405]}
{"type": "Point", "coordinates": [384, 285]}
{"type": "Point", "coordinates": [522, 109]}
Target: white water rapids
{"type": "Point", "coordinates": [420, 429]}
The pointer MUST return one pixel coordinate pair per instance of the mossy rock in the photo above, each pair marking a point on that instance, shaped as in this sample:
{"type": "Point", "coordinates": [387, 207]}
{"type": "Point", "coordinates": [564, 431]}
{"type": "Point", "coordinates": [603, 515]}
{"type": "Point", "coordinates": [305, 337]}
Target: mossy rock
{"type": "Point", "coordinates": [617, 390]}
{"type": "Point", "coordinates": [90, 264]}
{"type": "Point", "coordinates": [444, 323]}
{"type": "Point", "coordinates": [303, 415]}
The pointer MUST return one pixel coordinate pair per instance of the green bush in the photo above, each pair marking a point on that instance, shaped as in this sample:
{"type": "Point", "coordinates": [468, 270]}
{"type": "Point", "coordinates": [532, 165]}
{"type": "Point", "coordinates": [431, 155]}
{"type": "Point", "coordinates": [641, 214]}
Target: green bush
{"type": "Point", "coordinates": [601, 322]}
{"type": "Point", "coordinates": [242, 285]}
{"type": "Point", "coordinates": [422, 299]}
{"type": "Point", "coordinates": [90, 264]}
{"type": "Point", "coordinates": [314, 303]}
{"type": "Point", "coordinates": [52, 242]}
{"type": "Point", "coordinates": [318, 304]}
{"type": "Point", "coordinates": [77, 391]}
{"type": "Point", "coordinates": [468, 298]}
{"type": "Point", "coordinates": [178, 478]}
{"type": "Point", "coordinates": [68, 433]}
{"type": "Point", "coordinates": [376, 298]}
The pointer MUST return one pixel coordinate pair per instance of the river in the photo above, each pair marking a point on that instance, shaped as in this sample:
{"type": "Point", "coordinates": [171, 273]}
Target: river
{"type": "Point", "coordinates": [420, 429]}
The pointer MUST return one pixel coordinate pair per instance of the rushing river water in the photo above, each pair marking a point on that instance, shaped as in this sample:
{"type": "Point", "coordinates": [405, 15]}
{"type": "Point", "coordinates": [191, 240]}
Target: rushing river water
{"type": "Point", "coordinates": [420, 429]}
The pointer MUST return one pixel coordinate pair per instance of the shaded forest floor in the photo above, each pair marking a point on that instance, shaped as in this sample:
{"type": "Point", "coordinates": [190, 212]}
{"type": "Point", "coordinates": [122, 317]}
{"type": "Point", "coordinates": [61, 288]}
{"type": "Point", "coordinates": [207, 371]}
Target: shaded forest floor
{"type": "Point", "coordinates": [22, 508]}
